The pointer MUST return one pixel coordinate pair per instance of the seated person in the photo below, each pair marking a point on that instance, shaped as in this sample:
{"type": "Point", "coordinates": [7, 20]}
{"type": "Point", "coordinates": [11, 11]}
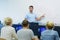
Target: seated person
{"type": "Point", "coordinates": [8, 32]}
{"type": "Point", "coordinates": [49, 34]}
{"type": "Point", "coordinates": [25, 33]}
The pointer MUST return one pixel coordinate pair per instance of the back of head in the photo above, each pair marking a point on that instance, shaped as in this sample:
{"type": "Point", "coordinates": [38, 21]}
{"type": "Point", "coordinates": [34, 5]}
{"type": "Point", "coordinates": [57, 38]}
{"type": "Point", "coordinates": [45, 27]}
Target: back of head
{"type": "Point", "coordinates": [8, 21]}
{"type": "Point", "coordinates": [25, 23]}
{"type": "Point", "coordinates": [50, 24]}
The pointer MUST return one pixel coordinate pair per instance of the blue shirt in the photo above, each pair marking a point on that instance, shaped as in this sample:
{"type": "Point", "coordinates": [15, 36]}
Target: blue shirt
{"type": "Point", "coordinates": [31, 17]}
{"type": "Point", "coordinates": [49, 35]}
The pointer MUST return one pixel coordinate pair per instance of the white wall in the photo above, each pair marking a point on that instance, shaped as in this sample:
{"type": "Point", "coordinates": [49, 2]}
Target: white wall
{"type": "Point", "coordinates": [17, 9]}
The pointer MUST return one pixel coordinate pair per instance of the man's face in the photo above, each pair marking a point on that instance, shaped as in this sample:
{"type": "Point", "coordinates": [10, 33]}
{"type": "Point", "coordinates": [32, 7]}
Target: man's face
{"type": "Point", "coordinates": [30, 9]}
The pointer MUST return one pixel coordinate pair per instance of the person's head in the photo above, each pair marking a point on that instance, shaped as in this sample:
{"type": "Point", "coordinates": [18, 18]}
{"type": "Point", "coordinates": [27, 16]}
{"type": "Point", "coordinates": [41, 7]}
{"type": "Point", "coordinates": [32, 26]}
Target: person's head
{"type": "Point", "coordinates": [31, 8]}
{"type": "Point", "coordinates": [25, 23]}
{"type": "Point", "coordinates": [50, 25]}
{"type": "Point", "coordinates": [8, 21]}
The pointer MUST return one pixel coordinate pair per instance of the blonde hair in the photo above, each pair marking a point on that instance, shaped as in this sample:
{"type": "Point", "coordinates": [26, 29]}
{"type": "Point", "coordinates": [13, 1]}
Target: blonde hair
{"type": "Point", "coordinates": [8, 21]}
{"type": "Point", "coordinates": [50, 24]}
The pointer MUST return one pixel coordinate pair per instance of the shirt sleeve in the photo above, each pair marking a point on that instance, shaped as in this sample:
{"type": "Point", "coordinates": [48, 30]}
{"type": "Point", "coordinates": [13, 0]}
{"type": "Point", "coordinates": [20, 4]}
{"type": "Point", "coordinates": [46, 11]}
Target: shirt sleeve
{"type": "Point", "coordinates": [56, 36]}
{"type": "Point", "coordinates": [32, 34]}
{"type": "Point", "coordinates": [14, 35]}
{"type": "Point", "coordinates": [26, 16]}
{"type": "Point", "coordinates": [35, 16]}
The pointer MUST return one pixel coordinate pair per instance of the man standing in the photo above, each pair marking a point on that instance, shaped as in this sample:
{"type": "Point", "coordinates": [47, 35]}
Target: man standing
{"type": "Point", "coordinates": [32, 18]}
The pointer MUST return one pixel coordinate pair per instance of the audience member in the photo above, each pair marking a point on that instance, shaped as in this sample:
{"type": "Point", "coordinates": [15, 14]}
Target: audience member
{"type": "Point", "coordinates": [8, 32]}
{"type": "Point", "coordinates": [25, 33]}
{"type": "Point", "coordinates": [49, 34]}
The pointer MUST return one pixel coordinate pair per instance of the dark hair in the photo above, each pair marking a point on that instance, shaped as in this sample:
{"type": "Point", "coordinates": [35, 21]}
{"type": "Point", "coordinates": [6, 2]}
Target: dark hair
{"type": "Point", "coordinates": [25, 23]}
{"type": "Point", "coordinates": [31, 6]}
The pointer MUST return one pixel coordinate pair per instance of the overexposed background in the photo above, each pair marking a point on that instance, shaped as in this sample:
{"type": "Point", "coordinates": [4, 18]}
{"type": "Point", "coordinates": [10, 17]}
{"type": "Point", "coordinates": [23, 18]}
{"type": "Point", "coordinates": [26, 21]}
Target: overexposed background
{"type": "Point", "coordinates": [17, 9]}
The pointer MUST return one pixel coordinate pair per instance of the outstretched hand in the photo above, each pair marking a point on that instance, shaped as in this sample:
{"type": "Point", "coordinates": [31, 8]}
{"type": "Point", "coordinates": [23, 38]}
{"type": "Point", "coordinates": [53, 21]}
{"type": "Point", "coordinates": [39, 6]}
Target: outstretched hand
{"type": "Point", "coordinates": [38, 19]}
{"type": "Point", "coordinates": [43, 15]}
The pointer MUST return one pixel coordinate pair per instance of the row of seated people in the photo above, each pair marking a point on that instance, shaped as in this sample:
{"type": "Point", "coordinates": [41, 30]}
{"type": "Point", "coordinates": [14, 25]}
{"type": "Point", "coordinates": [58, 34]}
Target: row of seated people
{"type": "Point", "coordinates": [8, 32]}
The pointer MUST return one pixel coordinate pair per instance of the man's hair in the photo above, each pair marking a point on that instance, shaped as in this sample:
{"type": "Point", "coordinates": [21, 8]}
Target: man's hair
{"type": "Point", "coordinates": [25, 23]}
{"type": "Point", "coordinates": [8, 21]}
{"type": "Point", "coordinates": [50, 24]}
{"type": "Point", "coordinates": [30, 6]}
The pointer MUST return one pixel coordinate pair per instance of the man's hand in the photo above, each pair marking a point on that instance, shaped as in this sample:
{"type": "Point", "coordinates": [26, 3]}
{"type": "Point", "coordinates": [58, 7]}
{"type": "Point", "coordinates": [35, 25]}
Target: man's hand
{"type": "Point", "coordinates": [43, 15]}
{"type": "Point", "coordinates": [38, 19]}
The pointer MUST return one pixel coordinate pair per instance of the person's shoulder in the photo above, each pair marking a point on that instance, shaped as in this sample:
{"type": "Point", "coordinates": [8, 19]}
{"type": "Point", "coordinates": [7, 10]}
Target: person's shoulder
{"type": "Point", "coordinates": [55, 32]}
{"type": "Point", "coordinates": [30, 30]}
{"type": "Point", "coordinates": [44, 32]}
{"type": "Point", "coordinates": [3, 28]}
{"type": "Point", "coordinates": [27, 13]}
{"type": "Point", "coordinates": [19, 30]}
{"type": "Point", "coordinates": [12, 28]}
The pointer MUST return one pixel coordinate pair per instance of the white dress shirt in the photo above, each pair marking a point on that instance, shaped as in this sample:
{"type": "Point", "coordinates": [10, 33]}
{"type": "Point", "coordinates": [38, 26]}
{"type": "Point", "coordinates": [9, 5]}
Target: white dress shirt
{"type": "Point", "coordinates": [8, 33]}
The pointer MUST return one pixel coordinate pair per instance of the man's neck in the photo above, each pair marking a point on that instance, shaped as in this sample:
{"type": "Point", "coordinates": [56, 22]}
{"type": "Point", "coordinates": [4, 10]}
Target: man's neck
{"type": "Point", "coordinates": [7, 26]}
{"type": "Point", "coordinates": [25, 27]}
{"type": "Point", "coordinates": [31, 12]}
{"type": "Point", "coordinates": [49, 29]}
